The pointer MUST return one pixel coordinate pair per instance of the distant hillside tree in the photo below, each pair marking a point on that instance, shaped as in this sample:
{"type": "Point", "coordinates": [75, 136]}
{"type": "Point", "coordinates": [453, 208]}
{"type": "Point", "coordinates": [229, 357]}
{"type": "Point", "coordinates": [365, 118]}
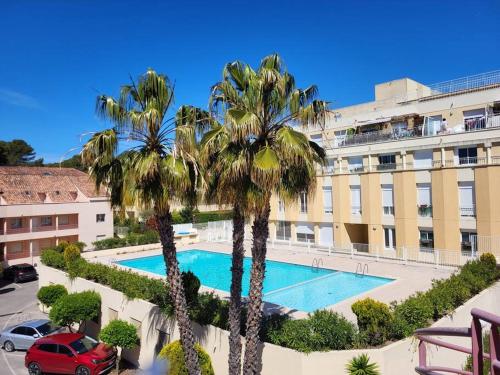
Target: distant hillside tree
{"type": "Point", "coordinates": [18, 152]}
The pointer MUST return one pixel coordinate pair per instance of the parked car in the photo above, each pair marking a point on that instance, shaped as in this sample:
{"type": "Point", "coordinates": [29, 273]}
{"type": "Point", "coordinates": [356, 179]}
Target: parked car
{"type": "Point", "coordinates": [23, 335]}
{"type": "Point", "coordinates": [20, 272]}
{"type": "Point", "coordinates": [69, 353]}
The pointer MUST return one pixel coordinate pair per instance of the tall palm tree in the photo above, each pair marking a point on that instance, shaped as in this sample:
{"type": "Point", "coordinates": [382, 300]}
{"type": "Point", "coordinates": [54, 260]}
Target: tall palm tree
{"type": "Point", "coordinates": [221, 158]}
{"type": "Point", "coordinates": [264, 109]}
{"type": "Point", "coordinates": [149, 159]}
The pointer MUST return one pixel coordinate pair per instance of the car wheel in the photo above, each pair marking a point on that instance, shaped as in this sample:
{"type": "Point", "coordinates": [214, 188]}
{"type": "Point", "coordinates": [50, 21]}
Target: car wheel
{"type": "Point", "coordinates": [34, 369]}
{"type": "Point", "coordinates": [9, 346]}
{"type": "Point", "coordinates": [82, 370]}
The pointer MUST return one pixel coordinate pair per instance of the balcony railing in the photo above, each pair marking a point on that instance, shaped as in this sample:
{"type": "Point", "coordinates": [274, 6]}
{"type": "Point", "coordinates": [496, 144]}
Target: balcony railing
{"type": "Point", "coordinates": [389, 210]}
{"type": "Point", "coordinates": [67, 226]}
{"type": "Point", "coordinates": [18, 230]}
{"type": "Point", "coordinates": [356, 210]}
{"type": "Point", "coordinates": [424, 210]}
{"type": "Point", "coordinates": [43, 228]}
{"type": "Point", "coordinates": [468, 211]}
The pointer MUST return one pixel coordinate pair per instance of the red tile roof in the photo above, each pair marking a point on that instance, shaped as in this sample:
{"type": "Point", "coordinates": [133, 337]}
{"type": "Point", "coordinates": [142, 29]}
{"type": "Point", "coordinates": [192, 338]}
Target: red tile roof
{"type": "Point", "coordinates": [32, 185]}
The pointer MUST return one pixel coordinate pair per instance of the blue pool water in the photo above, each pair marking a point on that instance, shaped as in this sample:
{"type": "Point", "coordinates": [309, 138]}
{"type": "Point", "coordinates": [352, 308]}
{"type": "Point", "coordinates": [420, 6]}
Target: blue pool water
{"type": "Point", "coordinates": [286, 284]}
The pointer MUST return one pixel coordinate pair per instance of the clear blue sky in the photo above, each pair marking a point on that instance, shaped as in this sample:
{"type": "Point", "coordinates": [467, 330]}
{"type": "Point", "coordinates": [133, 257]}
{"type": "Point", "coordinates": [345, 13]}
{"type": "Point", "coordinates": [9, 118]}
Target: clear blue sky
{"type": "Point", "coordinates": [56, 55]}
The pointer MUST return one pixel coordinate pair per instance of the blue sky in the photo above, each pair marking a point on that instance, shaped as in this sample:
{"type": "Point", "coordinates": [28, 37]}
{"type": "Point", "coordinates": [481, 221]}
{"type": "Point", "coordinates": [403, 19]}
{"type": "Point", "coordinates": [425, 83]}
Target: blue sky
{"type": "Point", "coordinates": [57, 55]}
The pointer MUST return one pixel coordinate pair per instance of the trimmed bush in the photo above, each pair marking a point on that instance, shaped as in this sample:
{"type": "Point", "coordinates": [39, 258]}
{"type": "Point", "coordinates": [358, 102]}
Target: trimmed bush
{"type": "Point", "coordinates": [374, 321]}
{"type": "Point", "coordinates": [174, 354]}
{"type": "Point", "coordinates": [132, 239]}
{"type": "Point", "coordinates": [53, 258]}
{"type": "Point", "coordinates": [415, 312]}
{"type": "Point", "coordinates": [121, 334]}
{"type": "Point", "coordinates": [71, 253]}
{"type": "Point", "coordinates": [322, 331]}
{"type": "Point", "coordinates": [76, 308]}
{"type": "Point", "coordinates": [361, 365]}
{"type": "Point", "coordinates": [48, 295]}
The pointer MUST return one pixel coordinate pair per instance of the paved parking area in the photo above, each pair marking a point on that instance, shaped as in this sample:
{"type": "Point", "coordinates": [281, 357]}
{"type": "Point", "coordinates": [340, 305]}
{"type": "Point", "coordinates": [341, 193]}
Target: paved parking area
{"type": "Point", "coordinates": [17, 303]}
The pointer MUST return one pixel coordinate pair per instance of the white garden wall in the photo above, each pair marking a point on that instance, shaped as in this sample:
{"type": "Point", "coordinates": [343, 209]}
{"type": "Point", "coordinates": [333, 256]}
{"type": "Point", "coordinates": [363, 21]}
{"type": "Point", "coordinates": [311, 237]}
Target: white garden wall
{"type": "Point", "coordinates": [395, 359]}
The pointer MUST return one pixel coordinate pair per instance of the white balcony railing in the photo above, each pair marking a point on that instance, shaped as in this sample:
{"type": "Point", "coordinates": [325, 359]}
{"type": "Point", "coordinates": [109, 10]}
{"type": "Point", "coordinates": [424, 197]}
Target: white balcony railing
{"type": "Point", "coordinates": [468, 211]}
{"type": "Point", "coordinates": [389, 210]}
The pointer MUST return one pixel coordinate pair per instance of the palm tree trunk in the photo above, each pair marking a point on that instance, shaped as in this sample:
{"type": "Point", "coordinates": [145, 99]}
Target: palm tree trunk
{"type": "Point", "coordinates": [177, 295]}
{"type": "Point", "coordinates": [260, 231]}
{"type": "Point", "coordinates": [234, 360]}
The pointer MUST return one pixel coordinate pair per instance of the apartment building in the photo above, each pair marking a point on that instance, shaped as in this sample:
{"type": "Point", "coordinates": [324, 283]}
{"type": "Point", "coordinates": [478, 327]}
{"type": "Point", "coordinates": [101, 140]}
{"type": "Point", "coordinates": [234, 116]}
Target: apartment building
{"type": "Point", "coordinates": [417, 168]}
{"type": "Point", "coordinates": [41, 206]}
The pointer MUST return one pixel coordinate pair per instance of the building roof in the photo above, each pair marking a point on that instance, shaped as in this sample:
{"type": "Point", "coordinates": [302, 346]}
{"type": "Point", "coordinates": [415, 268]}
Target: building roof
{"type": "Point", "coordinates": [36, 185]}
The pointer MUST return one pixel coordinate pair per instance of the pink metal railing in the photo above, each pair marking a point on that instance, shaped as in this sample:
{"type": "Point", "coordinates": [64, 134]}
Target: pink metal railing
{"type": "Point", "coordinates": [425, 335]}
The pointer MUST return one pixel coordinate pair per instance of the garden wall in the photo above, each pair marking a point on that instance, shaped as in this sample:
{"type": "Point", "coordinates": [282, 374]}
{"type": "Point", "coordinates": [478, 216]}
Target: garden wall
{"type": "Point", "coordinates": [155, 330]}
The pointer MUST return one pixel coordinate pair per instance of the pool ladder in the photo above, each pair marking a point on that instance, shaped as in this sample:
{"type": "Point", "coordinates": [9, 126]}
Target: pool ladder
{"type": "Point", "coordinates": [316, 263]}
{"type": "Point", "coordinates": [361, 270]}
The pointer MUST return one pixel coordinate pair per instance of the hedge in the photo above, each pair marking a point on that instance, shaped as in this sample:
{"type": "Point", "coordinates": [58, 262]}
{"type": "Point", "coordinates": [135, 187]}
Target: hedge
{"type": "Point", "coordinates": [132, 239]}
{"type": "Point", "coordinates": [422, 308]}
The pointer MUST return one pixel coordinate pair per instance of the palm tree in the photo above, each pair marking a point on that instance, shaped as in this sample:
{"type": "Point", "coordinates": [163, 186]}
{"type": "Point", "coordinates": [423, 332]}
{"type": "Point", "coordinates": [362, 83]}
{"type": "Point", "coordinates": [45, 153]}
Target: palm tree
{"type": "Point", "coordinates": [221, 158]}
{"type": "Point", "coordinates": [263, 108]}
{"type": "Point", "coordinates": [156, 166]}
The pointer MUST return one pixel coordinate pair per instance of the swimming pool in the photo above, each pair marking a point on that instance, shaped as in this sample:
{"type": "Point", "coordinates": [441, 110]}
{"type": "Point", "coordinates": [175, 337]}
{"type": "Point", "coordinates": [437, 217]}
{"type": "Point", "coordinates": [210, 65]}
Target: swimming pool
{"type": "Point", "coordinates": [291, 285]}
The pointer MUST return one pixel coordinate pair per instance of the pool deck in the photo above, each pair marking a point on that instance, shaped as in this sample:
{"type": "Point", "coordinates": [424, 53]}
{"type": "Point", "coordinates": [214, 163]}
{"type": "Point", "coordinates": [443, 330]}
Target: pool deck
{"type": "Point", "coordinates": [408, 278]}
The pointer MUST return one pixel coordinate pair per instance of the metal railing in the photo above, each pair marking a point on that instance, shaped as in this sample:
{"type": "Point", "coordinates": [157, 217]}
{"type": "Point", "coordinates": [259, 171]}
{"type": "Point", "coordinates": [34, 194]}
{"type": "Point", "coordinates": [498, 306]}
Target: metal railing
{"type": "Point", "coordinates": [68, 226]}
{"type": "Point", "coordinates": [43, 228]}
{"type": "Point", "coordinates": [388, 210]}
{"type": "Point", "coordinates": [468, 211]}
{"type": "Point", "coordinates": [474, 332]}
{"type": "Point", "coordinates": [466, 83]}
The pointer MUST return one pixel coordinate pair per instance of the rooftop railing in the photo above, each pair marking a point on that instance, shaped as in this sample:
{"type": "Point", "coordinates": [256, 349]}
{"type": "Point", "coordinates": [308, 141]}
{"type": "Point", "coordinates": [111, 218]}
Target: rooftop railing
{"type": "Point", "coordinates": [466, 83]}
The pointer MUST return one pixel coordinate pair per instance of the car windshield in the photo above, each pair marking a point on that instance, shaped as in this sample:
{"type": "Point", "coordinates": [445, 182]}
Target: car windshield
{"type": "Point", "coordinates": [46, 328]}
{"type": "Point", "coordinates": [83, 345]}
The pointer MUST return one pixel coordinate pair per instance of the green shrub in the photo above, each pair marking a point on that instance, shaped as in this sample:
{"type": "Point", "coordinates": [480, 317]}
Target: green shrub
{"type": "Point", "coordinates": [76, 308]}
{"type": "Point", "coordinates": [374, 321]}
{"type": "Point", "coordinates": [121, 334]}
{"type": "Point", "coordinates": [446, 295]}
{"type": "Point", "coordinates": [110, 243]}
{"type": "Point", "coordinates": [415, 312]}
{"type": "Point", "coordinates": [174, 354]}
{"type": "Point", "coordinates": [204, 217]}
{"type": "Point", "coordinates": [53, 258]}
{"type": "Point", "coordinates": [323, 330]}
{"type": "Point", "coordinates": [191, 285]}
{"type": "Point", "coordinates": [210, 309]}
{"type": "Point", "coordinates": [132, 239]}
{"type": "Point", "coordinates": [48, 295]}
{"type": "Point", "coordinates": [361, 365]}
{"type": "Point", "coordinates": [71, 253]}
{"type": "Point", "coordinates": [61, 246]}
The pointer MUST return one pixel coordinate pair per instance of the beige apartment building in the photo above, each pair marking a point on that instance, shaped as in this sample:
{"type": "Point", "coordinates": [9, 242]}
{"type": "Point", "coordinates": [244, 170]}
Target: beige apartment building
{"type": "Point", "coordinates": [418, 169]}
{"type": "Point", "coordinates": [41, 206]}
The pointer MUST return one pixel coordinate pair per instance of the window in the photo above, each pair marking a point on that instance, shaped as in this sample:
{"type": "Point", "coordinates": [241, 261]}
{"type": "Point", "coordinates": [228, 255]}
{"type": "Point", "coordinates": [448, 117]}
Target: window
{"type": "Point", "coordinates": [386, 162]}
{"type": "Point", "coordinates": [29, 331]}
{"type": "Point", "coordinates": [16, 223]}
{"type": "Point", "coordinates": [422, 159]}
{"type": "Point", "coordinates": [63, 220]}
{"type": "Point", "coordinates": [388, 200]}
{"type": "Point", "coordinates": [467, 199]}
{"type": "Point", "coordinates": [326, 234]}
{"type": "Point", "coordinates": [318, 138]}
{"type": "Point", "coordinates": [424, 204]}
{"type": "Point", "coordinates": [390, 238]}
{"type": "Point", "coordinates": [355, 200]}
{"type": "Point", "coordinates": [283, 230]}
{"type": "Point", "coordinates": [474, 119]}
{"type": "Point", "coordinates": [432, 125]}
{"type": "Point", "coordinates": [426, 240]}
{"type": "Point", "coordinates": [46, 221]}
{"type": "Point", "coordinates": [305, 232]}
{"type": "Point", "coordinates": [99, 218]}
{"type": "Point", "coordinates": [467, 155]}
{"type": "Point", "coordinates": [100, 237]}
{"type": "Point", "coordinates": [468, 241]}
{"type": "Point", "coordinates": [330, 165]}
{"type": "Point", "coordinates": [327, 200]}
{"type": "Point", "coordinates": [355, 164]}
{"type": "Point", "coordinates": [49, 348]}
{"type": "Point", "coordinates": [18, 331]}
{"type": "Point", "coordinates": [281, 205]}
{"type": "Point", "coordinates": [303, 202]}
{"type": "Point", "coordinates": [63, 349]}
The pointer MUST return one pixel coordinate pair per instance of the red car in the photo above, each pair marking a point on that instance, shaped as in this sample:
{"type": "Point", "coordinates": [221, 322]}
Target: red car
{"type": "Point", "coordinates": [69, 353]}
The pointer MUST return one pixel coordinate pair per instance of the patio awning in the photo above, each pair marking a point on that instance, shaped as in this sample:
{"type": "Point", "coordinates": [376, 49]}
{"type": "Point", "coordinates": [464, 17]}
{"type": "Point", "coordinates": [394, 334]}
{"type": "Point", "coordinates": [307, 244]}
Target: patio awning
{"type": "Point", "coordinates": [374, 121]}
{"type": "Point", "coordinates": [304, 228]}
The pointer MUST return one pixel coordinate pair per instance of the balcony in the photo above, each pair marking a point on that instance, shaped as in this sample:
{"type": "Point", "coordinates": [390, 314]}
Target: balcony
{"type": "Point", "coordinates": [355, 210]}
{"type": "Point", "coordinates": [43, 228]}
{"type": "Point", "coordinates": [73, 226]}
{"type": "Point", "coordinates": [468, 211]}
{"type": "Point", "coordinates": [388, 210]}
{"type": "Point", "coordinates": [18, 230]}
{"type": "Point", "coordinates": [398, 134]}
{"type": "Point", "coordinates": [424, 210]}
